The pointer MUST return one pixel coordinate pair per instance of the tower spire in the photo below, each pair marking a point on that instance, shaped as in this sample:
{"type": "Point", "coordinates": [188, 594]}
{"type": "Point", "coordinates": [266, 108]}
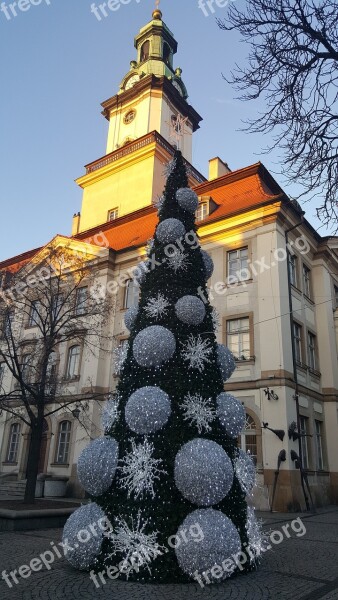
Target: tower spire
{"type": "Point", "coordinates": [157, 13]}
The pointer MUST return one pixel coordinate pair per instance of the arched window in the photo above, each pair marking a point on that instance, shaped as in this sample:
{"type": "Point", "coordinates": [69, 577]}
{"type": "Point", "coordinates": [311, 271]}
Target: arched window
{"type": "Point", "coordinates": [13, 443]}
{"type": "Point", "coordinates": [132, 293]}
{"type": "Point", "coordinates": [63, 443]}
{"type": "Point", "coordinates": [248, 438]}
{"type": "Point", "coordinates": [73, 362]}
{"type": "Point", "coordinates": [145, 51]}
{"type": "Point", "coordinates": [167, 55]}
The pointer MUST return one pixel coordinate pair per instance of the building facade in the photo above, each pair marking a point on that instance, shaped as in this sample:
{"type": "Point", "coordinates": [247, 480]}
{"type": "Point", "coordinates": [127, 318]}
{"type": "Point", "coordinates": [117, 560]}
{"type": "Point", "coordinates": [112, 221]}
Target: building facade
{"type": "Point", "coordinates": [275, 288]}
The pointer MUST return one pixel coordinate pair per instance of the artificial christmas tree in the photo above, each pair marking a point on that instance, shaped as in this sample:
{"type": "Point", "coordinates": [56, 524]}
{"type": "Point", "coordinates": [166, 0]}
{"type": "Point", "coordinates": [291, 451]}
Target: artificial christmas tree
{"type": "Point", "coordinates": [168, 474]}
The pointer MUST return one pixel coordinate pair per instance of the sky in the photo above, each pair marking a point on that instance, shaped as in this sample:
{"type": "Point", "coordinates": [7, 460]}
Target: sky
{"type": "Point", "coordinates": [59, 62]}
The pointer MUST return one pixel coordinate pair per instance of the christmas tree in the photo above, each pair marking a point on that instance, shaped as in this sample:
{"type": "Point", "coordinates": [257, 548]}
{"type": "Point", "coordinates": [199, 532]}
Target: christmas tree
{"type": "Point", "coordinates": [167, 474]}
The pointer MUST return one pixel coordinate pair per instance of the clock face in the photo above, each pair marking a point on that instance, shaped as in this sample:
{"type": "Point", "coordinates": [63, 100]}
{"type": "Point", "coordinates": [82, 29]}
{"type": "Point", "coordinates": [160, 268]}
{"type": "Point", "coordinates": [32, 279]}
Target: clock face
{"type": "Point", "coordinates": [178, 87]}
{"type": "Point", "coordinates": [131, 82]}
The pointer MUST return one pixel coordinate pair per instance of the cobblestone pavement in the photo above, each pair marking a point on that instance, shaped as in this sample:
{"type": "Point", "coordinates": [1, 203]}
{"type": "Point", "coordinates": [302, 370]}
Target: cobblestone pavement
{"type": "Point", "coordinates": [301, 568]}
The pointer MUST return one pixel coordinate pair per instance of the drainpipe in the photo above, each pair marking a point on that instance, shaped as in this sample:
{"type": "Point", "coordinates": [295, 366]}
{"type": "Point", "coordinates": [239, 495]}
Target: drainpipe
{"type": "Point", "coordinates": [294, 362]}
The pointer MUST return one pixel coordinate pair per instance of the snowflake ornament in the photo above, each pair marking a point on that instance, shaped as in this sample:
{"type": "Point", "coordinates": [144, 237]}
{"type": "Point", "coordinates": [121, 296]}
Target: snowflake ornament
{"type": "Point", "coordinates": [137, 547]}
{"type": "Point", "coordinates": [150, 247]}
{"type": "Point", "coordinates": [110, 413]}
{"type": "Point", "coordinates": [157, 307]}
{"type": "Point", "coordinates": [158, 203]}
{"type": "Point", "coordinates": [178, 261]}
{"type": "Point", "coordinates": [119, 357]}
{"type": "Point", "coordinates": [169, 168]}
{"type": "Point", "coordinates": [216, 320]}
{"type": "Point", "coordinates": [196, 351]}
{"type": "Point", "coordinates": [198, 411]}
{"type": "Point", "coordinates": [139, 470]}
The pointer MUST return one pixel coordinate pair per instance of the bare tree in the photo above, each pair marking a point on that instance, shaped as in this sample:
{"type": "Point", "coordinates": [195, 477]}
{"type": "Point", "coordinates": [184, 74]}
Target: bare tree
{"type": "Point", "coordinates": [293, 68]}
{"type": "Point", "coordinates": [47, 304]}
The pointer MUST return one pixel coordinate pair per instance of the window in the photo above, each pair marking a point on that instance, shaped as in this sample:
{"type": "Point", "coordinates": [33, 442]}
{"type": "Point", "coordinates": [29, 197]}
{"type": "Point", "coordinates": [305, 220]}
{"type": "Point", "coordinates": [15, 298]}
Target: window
{"type": "Point", "coordinates": [304, 430]}
{"type": "Point", "coordinates": [73, 363]}
{"type": "Point", "coordinates": [336, 295]}
{"type": "Point", "coordinates": [247, 441]}
{"type": "Point", "coordinates": [166, 54]}
{"type": "Point", "coordinates": [9, 318]}
{"type": "Point", "coordinates": [114, 213]}
{"type": "Point", "coordinates": [306, 281]}
{"type": "Point", "coordinates": [238, 264]}
{"type": "Point", "coordinates": [63, 443]}
{"type": "Point", "coordinates": [319, 446]}
{"type": "Point", "coordinates": [132, 293]}
{"type": "Point", "coordinates": [25, 367]}
{"type": "Point", "coordinates": [297, 335]}
{"type": "Point", "coordinates": [202, 211]}
{"type": "Point", "coordinates": [81, 301]}
{"type": "Point", "coordinates": [293, 269]}
{"type": "Point", "coordinates": [238, 338]}
{"type": "Point", "coordinates": [2, 371]}
{"type": "Point", "coordinates": [145, 50]}
{"type": "Point", "coordinates": [13, 443]}
{"type": "Point", "coordinates": [34, 314]}
{"type": "Point", "coordinates": [311, 350]}
{"type": "Point", "coordinates": [51, 373]}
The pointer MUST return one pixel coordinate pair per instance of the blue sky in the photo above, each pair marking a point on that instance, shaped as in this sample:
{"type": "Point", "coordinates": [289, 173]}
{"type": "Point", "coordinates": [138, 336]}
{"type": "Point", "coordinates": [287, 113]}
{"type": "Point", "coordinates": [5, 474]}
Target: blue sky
{"type": "Point", "coordinates": [59, 63]}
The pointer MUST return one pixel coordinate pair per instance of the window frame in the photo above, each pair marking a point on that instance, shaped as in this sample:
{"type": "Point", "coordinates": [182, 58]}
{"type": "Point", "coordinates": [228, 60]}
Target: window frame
{"type": "Point", "coordinates": [12, 433]}
{"type": "Point", "coordinates": [64, 439]}
{"type": "Point", "coordinates": [131, 283]}
{"type": "Point", "coordinates": [81, 307]}
{"type": "Point", "coordinates": [298, 342]}
{"type": "Point", "coordinates": [74, 375]}
{"type": "Point", "coordinates": [204, 204]}
{"type": "Point", "coordinates": [33, 311]}
{"type": "Point", "coordinates": [239, 332]}
{"type": "Point", "coordinates": [293, 269]}
{"type": "Point", "coordinates": [306, 273]}
{"type": "Point", "coordinates": [319, 445]}
{"type": "Point", "coordinates": [312, 351]}
{"type": "Point", "coordinates": [240, 267]}
{"type": "Point", "coordinates": [304, 429]}
{"type": "Point", "coordinates": [2, 373]}
{"type": "Point", "coordinates": [246, 433]}
{"type": "Point", "coordinates": [111, 211]}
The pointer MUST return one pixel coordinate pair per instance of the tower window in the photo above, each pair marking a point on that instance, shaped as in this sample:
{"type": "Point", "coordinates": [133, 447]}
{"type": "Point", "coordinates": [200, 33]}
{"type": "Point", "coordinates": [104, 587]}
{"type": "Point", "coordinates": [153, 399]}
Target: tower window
{"type": "Point", "coordinates": [167, 55]}
{"type": "Point", "coordinates": [145, 51]}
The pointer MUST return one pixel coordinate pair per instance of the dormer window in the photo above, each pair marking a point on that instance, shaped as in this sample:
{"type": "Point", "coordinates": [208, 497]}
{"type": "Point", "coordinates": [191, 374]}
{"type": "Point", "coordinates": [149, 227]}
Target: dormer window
{"type": "Point", "coordinates": [202, 211]}
{"type": "Point", "coordinates": [113, 214]}
{"type": "Point", "coordinates": [145, 51]}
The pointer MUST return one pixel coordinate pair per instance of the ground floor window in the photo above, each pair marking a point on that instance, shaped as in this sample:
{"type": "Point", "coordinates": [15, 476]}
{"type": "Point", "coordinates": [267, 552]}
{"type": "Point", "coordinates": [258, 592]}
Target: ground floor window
{"type": "Point", "coordinates": [248, 439]}
{"type": "Point", "coordinates": [63, 443]}
{"type": "Point", "coordinates": [13, 443]}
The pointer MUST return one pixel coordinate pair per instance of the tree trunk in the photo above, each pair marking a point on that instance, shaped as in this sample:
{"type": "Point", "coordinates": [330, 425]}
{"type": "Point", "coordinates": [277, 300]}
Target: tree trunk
{"type": "Point", "coordinates": [33, 461]}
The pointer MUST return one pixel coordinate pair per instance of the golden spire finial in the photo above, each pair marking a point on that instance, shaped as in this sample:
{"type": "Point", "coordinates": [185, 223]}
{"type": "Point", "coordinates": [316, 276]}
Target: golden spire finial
{"type": "Point", "coordinates": [157, 14]}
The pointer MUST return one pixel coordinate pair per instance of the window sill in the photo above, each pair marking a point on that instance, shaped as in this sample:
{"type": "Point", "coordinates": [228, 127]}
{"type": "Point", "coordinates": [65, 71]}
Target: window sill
{"type": "Point", "coordinates": [9, 464]}
{"type": "Point", "coordinates": [243, 282]}
{"type": "Point", "coordinates": [60, 465]}
{"type": "Point", "coordinates": [301, 366]}
{"type": "Point", "coordinates": [245, 361]}
{"type": "Point", "coordinates": [309, 299]}
{"type": "Point", "coordinates": [71, 379]}
{"type": "Point", "coordinates": [314, 372]}
{"type": "Point", "coordinates": [294, 287]}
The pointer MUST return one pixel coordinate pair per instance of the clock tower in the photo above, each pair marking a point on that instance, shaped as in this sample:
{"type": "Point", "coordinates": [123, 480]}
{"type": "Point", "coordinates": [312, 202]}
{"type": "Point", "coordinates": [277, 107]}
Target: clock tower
{"type": "Point", "coordinates": [148, 118]}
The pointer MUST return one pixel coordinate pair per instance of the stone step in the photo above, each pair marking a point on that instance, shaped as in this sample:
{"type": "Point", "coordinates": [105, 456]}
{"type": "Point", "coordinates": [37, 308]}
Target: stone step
{"type": "Point", "coordinates": [13, 488]}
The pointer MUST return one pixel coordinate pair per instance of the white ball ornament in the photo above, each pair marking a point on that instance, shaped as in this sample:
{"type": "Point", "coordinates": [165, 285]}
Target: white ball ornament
{"type": "Point", "coordinates": [130, 317]}
{"type": "Point", "coordinates": [203, 472]}
{"type": "Point", "coordinates": [169, 231]}
{"type": "Point", "coordinates": [231, 414]}
{"type": "Point", "coordinates": [82, 546]}
{"type": "Point", "coordinates": [190, 310]}
{"type": "Point", "coordinates": [226, 361]}
{"type": "Point", "coordinates": [187, 199]}
{"type": "Point", "coordinates": [208, 264]}
{"type": "Point", "coordinates": [218, 542]}
{"type": "Point", "coordinates": [153, 346]}
{"type": "Point", "coordinates": [97, 465]}
{"type": "Point", "coordinates": [147, 410]}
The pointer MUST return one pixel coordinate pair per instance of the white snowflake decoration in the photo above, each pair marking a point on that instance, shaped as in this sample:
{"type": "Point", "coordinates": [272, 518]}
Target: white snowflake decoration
{"type": "Point", "coordinates": [196, 351]}
{"type": "Point", "coordinates": [110, 412]}
{"type": "Point", "coordinates": [198, 411]}
{"type": "Point", "coordinates": [150, 247]}
{"type": "Point", "coordinates": [256, 536]}
{"type": "Point", "coordinates": [158, 203]}
{"type": "Point", "coordinates": [119, 357]}
{"type": "Point", "coordinates": [169, 168]}
{"type": "Point", "coordinates": [216, 320]}
{"type": "Point", "coordinates": [140, 470]}
{"type": "Point", "coordinates": [178, 261]}
{"type": "Point", "coordinates": [157, 307]}
{"type": "Point", "coordinates": [137, 547]}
